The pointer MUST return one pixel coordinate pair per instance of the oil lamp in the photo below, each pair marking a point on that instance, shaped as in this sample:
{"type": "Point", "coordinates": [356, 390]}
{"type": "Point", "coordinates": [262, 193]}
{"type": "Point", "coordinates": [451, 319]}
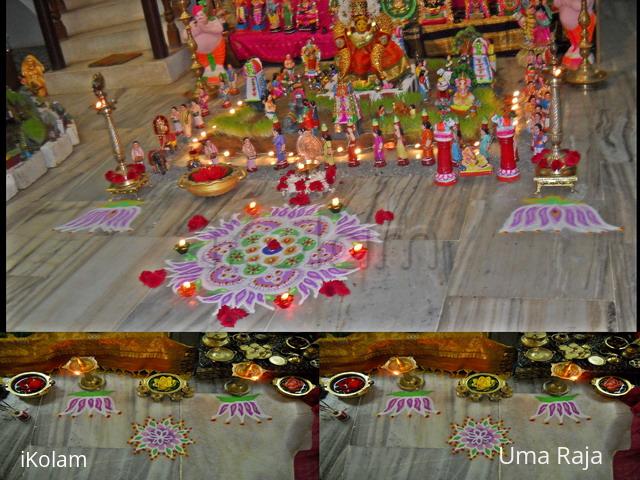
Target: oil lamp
{"type": "Point", "coordinates": [182, 246]}
{"type": "Point", "coordinates": [284, 300]}
{"type": "Point", "coordinates": [252, 209]}
{"type": "Point", "coordinates": [358, 251]}
{"type": "Point", "coordinates": [245, 371]}
{"type": "Point", "coordinates": [85, 367]}
{"type": "Point", "coordinates": [187, 289]}
{"type": "Point", "coordinates": [335, 206]}
{"type": "Point", "coordinates": [562, 373]}
{"type": "Point", "coordinates": [404, 367]}
{"type": "Point", "coordinates": [232, 111]}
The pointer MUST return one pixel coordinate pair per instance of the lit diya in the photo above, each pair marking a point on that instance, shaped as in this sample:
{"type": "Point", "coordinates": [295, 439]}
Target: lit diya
{"type": "Point", "coordinates": [293, 386]}
{"type": "Point", "coordinates": [30, 385]}
{"type": "Point", "coordinates": [348, 384]}
{"type": "Point", "coordinates": [612, 386]}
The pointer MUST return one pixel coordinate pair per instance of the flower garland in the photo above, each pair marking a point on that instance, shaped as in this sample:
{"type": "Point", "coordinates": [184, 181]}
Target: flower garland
{"type": "Point", "coordinates": [294, 183]}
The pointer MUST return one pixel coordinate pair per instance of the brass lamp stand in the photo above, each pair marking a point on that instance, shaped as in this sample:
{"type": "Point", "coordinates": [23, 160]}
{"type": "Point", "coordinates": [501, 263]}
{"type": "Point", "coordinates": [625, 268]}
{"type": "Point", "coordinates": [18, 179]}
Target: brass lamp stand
{"type": "Point", "coordinates": [106, 107]}
{"type": "Point", "coordinates": [85, 367]}
{"type": "Point", "coordinates": [405, 367]}
{"type": "Point", "coordinates": [586, 75]}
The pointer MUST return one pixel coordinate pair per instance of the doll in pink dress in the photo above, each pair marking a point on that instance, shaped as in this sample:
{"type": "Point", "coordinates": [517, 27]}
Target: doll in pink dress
{"type": "Point", "coordinates": [378, 146]}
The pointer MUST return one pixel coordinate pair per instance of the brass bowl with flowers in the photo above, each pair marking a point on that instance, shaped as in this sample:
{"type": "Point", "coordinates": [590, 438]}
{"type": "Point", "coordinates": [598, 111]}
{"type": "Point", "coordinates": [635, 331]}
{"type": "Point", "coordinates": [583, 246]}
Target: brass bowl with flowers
{"type": "Point", "coordinates": [293, 386]}
{"type": "Point", "coordinates": [612, 386]}
{"type": "Point", "coordinates": [479, 385]}
{"type": "Point", "coordinates": [348, 384]}
{"type": "Point", "coordinates": [213, 188]}
{"type": "Point", "coordinates": [160, 385]}
{"type": "Point", "coordinates": [28, 385]}
{"type": "Point", "coordinates": [548, 172]}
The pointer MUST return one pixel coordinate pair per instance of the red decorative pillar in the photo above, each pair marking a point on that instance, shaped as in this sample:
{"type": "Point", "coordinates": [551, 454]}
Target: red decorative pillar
{"type": "Point", "coordinates": [508, 171]}
{"type": "Point", "coordinates": [444, 175]}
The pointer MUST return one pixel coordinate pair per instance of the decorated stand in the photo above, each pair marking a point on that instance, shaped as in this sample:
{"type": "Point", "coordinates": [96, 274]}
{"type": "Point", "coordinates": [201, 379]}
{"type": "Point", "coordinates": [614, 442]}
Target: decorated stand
{"type": "Point", "coordinates": [443, 136]}
{"type": "Point", "coordinates": [505, 131]}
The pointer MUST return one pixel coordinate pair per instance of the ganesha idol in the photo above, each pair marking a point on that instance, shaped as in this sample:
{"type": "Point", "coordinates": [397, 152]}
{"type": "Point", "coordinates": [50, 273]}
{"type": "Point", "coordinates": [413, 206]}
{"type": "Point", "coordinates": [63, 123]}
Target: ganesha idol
{"type": "Point", "coordinates": [210, 46]}
{"type": "Point", "coordinates": [464, 101]}
{"type": "Point", "coordinates": [569, 11]}
{"type": "Point", "coordinates": [363, 35]}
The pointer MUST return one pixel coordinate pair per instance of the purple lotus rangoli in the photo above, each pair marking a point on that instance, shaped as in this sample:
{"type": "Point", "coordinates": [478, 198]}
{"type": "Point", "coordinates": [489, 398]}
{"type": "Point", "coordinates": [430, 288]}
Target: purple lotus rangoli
{"type": "Point", "coordinates": [111, 217]}
{"type": "Point", "coordinates": [161, 437]}
{"type": "Point", "coordinates": [556, 214]}
{"type": "Point", "coordinates": [97, 401]}
{"type": "Point", "coordinates": [482, 437]}
{"type": "Point", "coordinates": [559, 407]}
{"type": "Point", "coordinates": [410, 402]}
{"type": "Point", "coordinates": [232, 265]}
{"type": "Point", "coordinates": [240, 407]}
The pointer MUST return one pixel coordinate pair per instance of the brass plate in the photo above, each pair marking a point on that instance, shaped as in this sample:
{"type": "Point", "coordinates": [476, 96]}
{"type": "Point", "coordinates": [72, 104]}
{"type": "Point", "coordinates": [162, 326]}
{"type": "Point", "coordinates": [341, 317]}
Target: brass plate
{"type": "Point", "coordinates": [294, 359]}
{"type": "Point", "coordinates": [348, 384]}
{"type": "Point", "coordinates": [220, 354]}
{"type": "Point", "coordinates": [616, 342]}
{"type": "Point", "coordinates": [597, 360]}
{"type": "Point", "coordinates": [45, 382]}
{"type": "Point", "coordinates": [534, 339]}
{"type": "Point", "coordinates": [613, 359]}
{"type": "Point", "coordinates": [293, 386]}
{"type": "Point", "coordinates": [215, 339]}
{"type": "Point", "coordinates": [539, 354]}
{"type": "Point", "coordinates": [483, 383]}
{"type": "Point", "coordinates": [277, 360]}
{"type": "Point", "coordinates": [297, 343]}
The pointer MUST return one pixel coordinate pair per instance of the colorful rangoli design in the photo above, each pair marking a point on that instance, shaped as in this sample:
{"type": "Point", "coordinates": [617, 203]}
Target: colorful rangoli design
{"type": "Point", "coordinates": [556, 214]}
{"type": "Point", "coordinates": [111, 217]}
{"type": "Point", "coordinates": [482, 437]}
{"type": "Point", "coordinates": [559, 407]}
{"type": "Point", "coordinates": [401, 401]}
{"type": "Point", "coordinates": [98, 401]}
{"type": "Point", "coordinates": [240, 407]}
{"type": "Point", "coordinates": [161, 437]}
{"type": "Point", "coordinates": [249, 261]}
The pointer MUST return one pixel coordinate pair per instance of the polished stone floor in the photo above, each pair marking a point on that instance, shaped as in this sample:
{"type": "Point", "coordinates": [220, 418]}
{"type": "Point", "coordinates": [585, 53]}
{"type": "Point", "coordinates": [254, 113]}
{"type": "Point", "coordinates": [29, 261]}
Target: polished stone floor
{"type": "Point", "coordinates": [442, 266]}
{"type": "Point", "coordinates": [370, 447]}
{"type": "Point", "coordinates": [251, 451]}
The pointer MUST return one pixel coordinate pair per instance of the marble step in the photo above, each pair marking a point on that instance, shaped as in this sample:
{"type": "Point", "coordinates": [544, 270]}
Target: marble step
{"type": "Point", "coordinates": [140, 72]}
{"type": "Point", "coordinates": [101, 15]}
{"type": "Point", "coordinates": [75, 4]}
{"type": "Point", "coordinates": [91, 46]}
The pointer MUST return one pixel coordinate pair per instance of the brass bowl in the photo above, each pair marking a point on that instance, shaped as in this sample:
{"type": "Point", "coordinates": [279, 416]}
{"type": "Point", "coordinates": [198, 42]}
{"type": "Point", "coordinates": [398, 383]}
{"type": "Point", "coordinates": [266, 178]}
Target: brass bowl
{"type": "Point", "coordinates": [302, 386]}
{"type": "Point", "coordinates": [334, 384]}
{"type": "Point", "coordinates": [612, 386]}
{"type": "Point", "coordinates": [539, 354]}
{"type": "Point", "coordinates": [15, 385]}
{"type": "Point", "coordinates": [215, 188]}
{"type": "Point", "coordinates": [160, 385]}
{"type": "Point", "coordinates": [215, 339]}
{"type": "Point", "coordinates": [478, 385]}
{"type": "Point", "coordinates": [550, 172]}
{"type": "Point", "coordinates": [534, 339]}
{"type": "Point", "coordinates": [220, 354]}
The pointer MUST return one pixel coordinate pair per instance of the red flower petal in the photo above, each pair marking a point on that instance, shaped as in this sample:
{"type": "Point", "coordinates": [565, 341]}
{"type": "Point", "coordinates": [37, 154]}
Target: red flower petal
{"type": "Point", "coordinates": [197, 222]}
{"type": "Point", "coordinates": [556, 165]}
{"type": "Point", "coordinates": [334, 287]}
{"type": "Point", "coordinates": [383, 216]}
{"type": "Point", "coordinates": [228, 317]}
{"type": "Point", "coordinates": [153, 279]}
{"type": "Point", "coordinates": [316, 186]}
{"type": "Point", "coordinates": [300, 185]}
{"type": "Point", "coordinates": [273, 244]}
{"type": "Point", "coordinates": [300, 199]}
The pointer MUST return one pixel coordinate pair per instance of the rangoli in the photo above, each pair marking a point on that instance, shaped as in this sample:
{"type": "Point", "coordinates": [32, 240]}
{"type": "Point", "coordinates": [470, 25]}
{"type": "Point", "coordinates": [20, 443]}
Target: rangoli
{"type": "Point", "coordinates": [240, 407]}
{"type": "Point", "coordinates": [483, 437]}
{"type": "Point", "coordinates": [556, 214]}
{"type": "Point", "coordinates": [559, 407]}
{"type": "Point", "coordinates": [98, 401]}
{"type": "Point", "coordinates": [161, 437]}
{"type": "Point", "coordinates": [250, 261]}
{"type": "Point", "coordinates": [409, 402]}
{"type": "Point", "coordinates": [111, 217]}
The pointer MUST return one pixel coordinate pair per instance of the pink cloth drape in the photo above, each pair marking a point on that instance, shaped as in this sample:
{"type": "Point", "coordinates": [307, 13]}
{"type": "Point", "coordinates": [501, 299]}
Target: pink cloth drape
{"type": "Point", "coordinates": [272, 47]}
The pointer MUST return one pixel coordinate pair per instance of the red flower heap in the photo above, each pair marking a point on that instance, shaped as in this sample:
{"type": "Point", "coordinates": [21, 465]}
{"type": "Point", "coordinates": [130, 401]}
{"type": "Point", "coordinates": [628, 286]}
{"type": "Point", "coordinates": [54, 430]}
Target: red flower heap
{"type": "Point", "coordinates": [210, 173]}
{"type": "Point", "coordinates": [334, 287]}
{"type": "Point", "coordinates": [571, 159]}
{"type": "Point", "coordinates": [197, 222]}
{"type": "Point", "coordinates": [153, 279]}
{"type": "Point", "coordinates": [228, 317]}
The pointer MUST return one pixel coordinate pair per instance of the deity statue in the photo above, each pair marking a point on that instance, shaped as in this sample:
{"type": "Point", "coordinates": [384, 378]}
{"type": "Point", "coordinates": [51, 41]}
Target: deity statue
{"type": "Point", "coordinates": [476, 9]}
{"type": "Point", "coordinates": [288, 20]}
{"type": "Point", "coordinates": [274, 11]}
{"type": "Point", "coordinates": [307, 15]}
{"type": "Point", "coordinates": [33, 76]}
{"type": "Point", "coordinates": [310, 55]}
{"type": "Point", "coordinates": [542, 28]}
{"type": "Point", "coordinates": [242, 14]}
{"type": "Point", "coordinates": [506, 8]}
{"type": "Point", "coordinates": [346, 107]}
{"type": "Point", "coordinates": [434, 12]}
{"type": "Point", "coordinates": [257, 14]}
{"type": "Point", "coordinates": [289, 65]}
{"type": "Point", "coordinates": [210, 46]}
{"type": "Point", "coordinates": [363, 36]}
{"type": "Point", "coordinates": [443, 86]}
{"type": "Point", "coordinates": [482, 69]}
{"type": "Point", "coordinates": [463, 100]}
{"type": "Point", "coordinates": [202, 98]}
{"type": "Point", "coordinates": [255, 83]}
{"type": "Point", "coordinates": [569, 11]}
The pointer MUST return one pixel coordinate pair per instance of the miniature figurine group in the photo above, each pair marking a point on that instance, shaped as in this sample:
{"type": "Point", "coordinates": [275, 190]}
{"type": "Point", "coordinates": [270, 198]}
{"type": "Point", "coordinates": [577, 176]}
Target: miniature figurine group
{"type": "Point", "coordinates": [278, 15]}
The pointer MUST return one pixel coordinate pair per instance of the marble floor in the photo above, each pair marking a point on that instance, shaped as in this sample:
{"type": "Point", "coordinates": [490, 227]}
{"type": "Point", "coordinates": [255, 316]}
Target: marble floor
{"type": "Point", "coordinates": [442, 265]}
{"type": "Point", "coordinates": [370, 447]}
{"type": "Point", "coordinates": [266, 449]}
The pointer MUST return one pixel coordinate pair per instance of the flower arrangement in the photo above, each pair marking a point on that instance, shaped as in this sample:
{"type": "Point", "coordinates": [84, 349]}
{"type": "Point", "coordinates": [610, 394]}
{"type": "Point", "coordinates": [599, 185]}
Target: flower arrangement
{"type": "Point", "coordinates": [294, 183]}
{"type": "Point", "coordinates": [134, 172]}
{"type": "Point", "coordinates": [571, 159]}
{"type": "Point", "coordinates": [210, 173]}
